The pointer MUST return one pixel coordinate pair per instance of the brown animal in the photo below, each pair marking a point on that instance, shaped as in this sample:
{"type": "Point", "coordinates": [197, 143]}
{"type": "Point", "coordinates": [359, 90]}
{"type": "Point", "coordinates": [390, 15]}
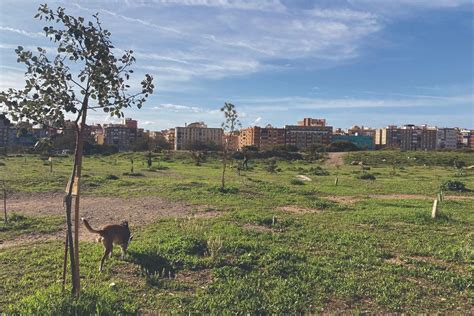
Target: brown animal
{"type": "Point", "coordinates": [110, 235]}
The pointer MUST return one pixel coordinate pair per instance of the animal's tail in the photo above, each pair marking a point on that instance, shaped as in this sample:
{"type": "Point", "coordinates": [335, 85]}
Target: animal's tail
{"type": "Point", "coordinates": [89, 228]}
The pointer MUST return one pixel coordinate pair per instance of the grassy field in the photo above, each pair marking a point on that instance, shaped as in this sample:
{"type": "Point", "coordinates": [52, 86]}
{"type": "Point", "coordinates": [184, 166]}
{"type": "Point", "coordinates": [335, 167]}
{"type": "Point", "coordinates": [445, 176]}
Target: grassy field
{"type": "Point", "coordinates": [274, 244]}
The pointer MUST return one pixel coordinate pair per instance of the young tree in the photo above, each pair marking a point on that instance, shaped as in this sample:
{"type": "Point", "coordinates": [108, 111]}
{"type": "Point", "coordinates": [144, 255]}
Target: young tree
{"type": "Point", "coordinates": [83, 74]}
{"type": "Point", "coordinates": [230, 125]}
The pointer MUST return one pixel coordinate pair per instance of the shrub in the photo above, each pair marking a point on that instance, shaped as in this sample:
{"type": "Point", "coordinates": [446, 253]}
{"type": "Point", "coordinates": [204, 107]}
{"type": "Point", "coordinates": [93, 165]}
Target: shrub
{"type": "Point", "coordinates": [297, 182]}
{"type": "Point", "coordinates": [272, 166]}
{"type": "Point", "coordinates": [111, 177]}
{"type": "Point", "coordinates": [366, 176]}
{"type": "Point", "coordinates": [453, 185]}
{"type": "Point", "coordinates": [318, 171]}
{"type": "Point", "coordinates": [342, 146]}
{"type": "Point", "coordinates": [229, 190]}
{"type": "Point", "coordinates": [134, 174]}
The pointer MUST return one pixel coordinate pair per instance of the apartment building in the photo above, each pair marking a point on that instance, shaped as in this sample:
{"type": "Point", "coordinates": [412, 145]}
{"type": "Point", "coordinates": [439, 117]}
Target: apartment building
{"type": "Point", "coordinates": [388, 137]}
{"type": "Point", "coordinates": [464, 138]}
{"type": "Point", "coordinates": [471, 139]}
{"type": "Point", "coordinates": [117, 135]}
{"type": "Point", "coordinates": [262, 137]}
{"type": "Point", "coordinates": [4, 130]}
{"type": "Point", "coordinates": [195, 133]}
{"type": "Point", "coordinates": [418, 138]}
{"type": "Point", "coordinates": [169, 135]}
{"type": "Point", "coordinates": [232, 141]}
{"type": "Point", "coordinates": [306, 136]}
{"type": "Point", "coordinates": [308, 121]}
{"type": "Point", "coordinates": [447, 138]}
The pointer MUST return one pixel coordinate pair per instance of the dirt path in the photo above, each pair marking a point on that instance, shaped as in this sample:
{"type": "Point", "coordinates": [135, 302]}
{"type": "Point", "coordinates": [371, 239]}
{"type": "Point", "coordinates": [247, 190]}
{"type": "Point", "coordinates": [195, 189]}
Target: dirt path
{"type": "Point", "coordinates": [99, 211]}
{"type": "Point", "coordinates": [335, 159]}
{"type": "Point", "coordinates": [354, 199]}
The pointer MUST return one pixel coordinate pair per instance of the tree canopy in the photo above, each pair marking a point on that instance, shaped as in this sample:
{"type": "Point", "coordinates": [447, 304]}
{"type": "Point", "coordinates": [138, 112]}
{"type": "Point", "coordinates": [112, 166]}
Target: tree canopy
{"type": "Point", "coordinates": [83, 69]}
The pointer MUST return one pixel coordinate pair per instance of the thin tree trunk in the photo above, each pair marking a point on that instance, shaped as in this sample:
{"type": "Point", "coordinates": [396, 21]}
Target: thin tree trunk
{"type": "Point", "coordinates": [69, 239]}
{"type": "Point", "coordinates": [5, 201]}
{"type": "Point", "coordinates": [73, 244]}
{"type": "Point", "coordinates": [68, 201]}
{"type": "Point", "coordinates": [79, 147]}
{"type": "Point", "coordinates": [223, 171]}
{"type": "Point", "coordinates": [66, 244]}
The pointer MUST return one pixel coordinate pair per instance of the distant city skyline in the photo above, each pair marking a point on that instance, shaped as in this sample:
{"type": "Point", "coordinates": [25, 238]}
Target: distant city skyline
{"type": "Point", "coordinates": [353, 62]}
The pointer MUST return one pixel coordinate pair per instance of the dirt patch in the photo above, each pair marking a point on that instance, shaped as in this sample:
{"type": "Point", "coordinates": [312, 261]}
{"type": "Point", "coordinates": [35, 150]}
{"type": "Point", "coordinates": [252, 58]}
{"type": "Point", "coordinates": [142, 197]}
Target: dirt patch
{"type": "Point", "coordinates": [396, 261]}
{"type": "Point", "coordinates": [138, 211]}
{"type": "Point", "coordinates": [298, 209]}
{"type": "Point", "coordinates": [343, 199]}
{"type": "Point", "coordinates": [418, 197]}
{"type": "Point", "coordinates": [258, 228]}
{"type": "Point", "coordinates": [335, 159]}
{"type": "Point", "coordinates": [346, 199]}
{"type": "Point", "coordinates": [405, 261]}
{"type": "Point", "coordinates": [199, 278]}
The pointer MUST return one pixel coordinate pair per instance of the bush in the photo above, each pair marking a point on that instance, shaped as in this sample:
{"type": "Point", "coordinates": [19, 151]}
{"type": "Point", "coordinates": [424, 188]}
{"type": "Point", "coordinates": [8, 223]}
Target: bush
{"type": "Point", "coordinates": [366, 176]}
{"type": "Point", "coordinates": [342, 146]}
{"type": "Point", "coordinates": [272, 166]}
{"type": "Point", "coordinates": [229, 190]}
{"type": "Point", "coordinates": [318, 171]}
{"type": "Point", "coordinates": [286, 148]}
{"type": "Point", "coordinates": [135, 174]}
{"type": "Point", "coordinates": [297, 182]}
{"type": "Point", "coordinates": [453, 185]}
{"type": "Point", "coordinates": [111, 177]}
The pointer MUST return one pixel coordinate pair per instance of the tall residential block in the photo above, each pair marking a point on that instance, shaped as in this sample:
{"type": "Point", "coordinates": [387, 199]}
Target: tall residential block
{"type": "Point", "coordinates": [305, 136]}
{"type": "Point", "coordinates": [447, 138]}
{"type": "Point", "coordinates": [4, 130]}
{"type": "Point", "coordinates": [388, 137]}
{"type": "Point", "coordinates": [262, 137]}
{"type": "Point", "coordinates": [194, 133]}
{"type": "Point", "coordinates": [418, 138]}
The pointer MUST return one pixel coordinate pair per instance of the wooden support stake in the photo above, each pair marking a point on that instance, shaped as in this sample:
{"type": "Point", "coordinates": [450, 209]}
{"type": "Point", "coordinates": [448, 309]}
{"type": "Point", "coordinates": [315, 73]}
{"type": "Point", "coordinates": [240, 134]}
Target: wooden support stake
{"type": "Point", "coordinates": [434, 211]}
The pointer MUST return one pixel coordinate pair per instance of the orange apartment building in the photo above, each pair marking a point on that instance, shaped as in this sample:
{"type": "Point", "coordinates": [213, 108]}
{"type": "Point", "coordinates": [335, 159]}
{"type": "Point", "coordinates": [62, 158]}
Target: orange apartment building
{"type": "Point", "coordinates": [262, 137]}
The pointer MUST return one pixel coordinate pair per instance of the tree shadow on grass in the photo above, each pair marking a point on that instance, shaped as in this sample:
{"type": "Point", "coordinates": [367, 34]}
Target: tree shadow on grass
{"type": "Point", "coordinates": [153, 266]}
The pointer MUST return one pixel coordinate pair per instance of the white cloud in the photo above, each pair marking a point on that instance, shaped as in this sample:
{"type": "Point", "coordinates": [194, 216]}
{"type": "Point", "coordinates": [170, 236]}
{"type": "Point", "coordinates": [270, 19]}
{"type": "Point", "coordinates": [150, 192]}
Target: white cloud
{"type": "Point", "coordinates": [21, 32]}
{"type": "Point", "coordinates": [217, 44]}
{"type": "Point", "coordinates": [302, 103]}
{"type": "Point", "coordinates": [178, 108]}
{"type": "Point", "coordinates": [257, 120]}
{"type": "Point", "coordinates": [259, 5]}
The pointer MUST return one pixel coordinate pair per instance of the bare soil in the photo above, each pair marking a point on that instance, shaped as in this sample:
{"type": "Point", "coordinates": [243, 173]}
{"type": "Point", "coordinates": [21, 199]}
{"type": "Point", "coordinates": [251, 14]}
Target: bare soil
{"type": "Point", "coordinates": [100, 211]}
{"type": "Point", "coordinates": [335, 159]}
{"type": "Point", "coordinates": [298, 210]}
{"type": "Point", "coordinates": [347, 199]}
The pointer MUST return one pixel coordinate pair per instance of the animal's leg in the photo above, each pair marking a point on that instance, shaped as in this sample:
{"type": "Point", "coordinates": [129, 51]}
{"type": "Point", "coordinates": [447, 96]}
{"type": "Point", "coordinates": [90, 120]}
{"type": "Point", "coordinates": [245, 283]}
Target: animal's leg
{"type": "Point", "coordinates": [107, 252]}
{"type": "Point", "coordinates": [124, 251]}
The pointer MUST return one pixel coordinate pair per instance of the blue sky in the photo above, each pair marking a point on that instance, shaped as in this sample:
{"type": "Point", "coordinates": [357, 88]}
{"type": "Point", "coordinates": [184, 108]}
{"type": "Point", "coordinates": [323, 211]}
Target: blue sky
{"type": "Point", "coordinates": [353, 62]}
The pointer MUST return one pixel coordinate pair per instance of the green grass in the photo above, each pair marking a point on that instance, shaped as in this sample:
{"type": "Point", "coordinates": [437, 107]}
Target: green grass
{"type": "Point", "coordinates": [376, 255]}
{"type": "Point", "coordinates": [19, 225]}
